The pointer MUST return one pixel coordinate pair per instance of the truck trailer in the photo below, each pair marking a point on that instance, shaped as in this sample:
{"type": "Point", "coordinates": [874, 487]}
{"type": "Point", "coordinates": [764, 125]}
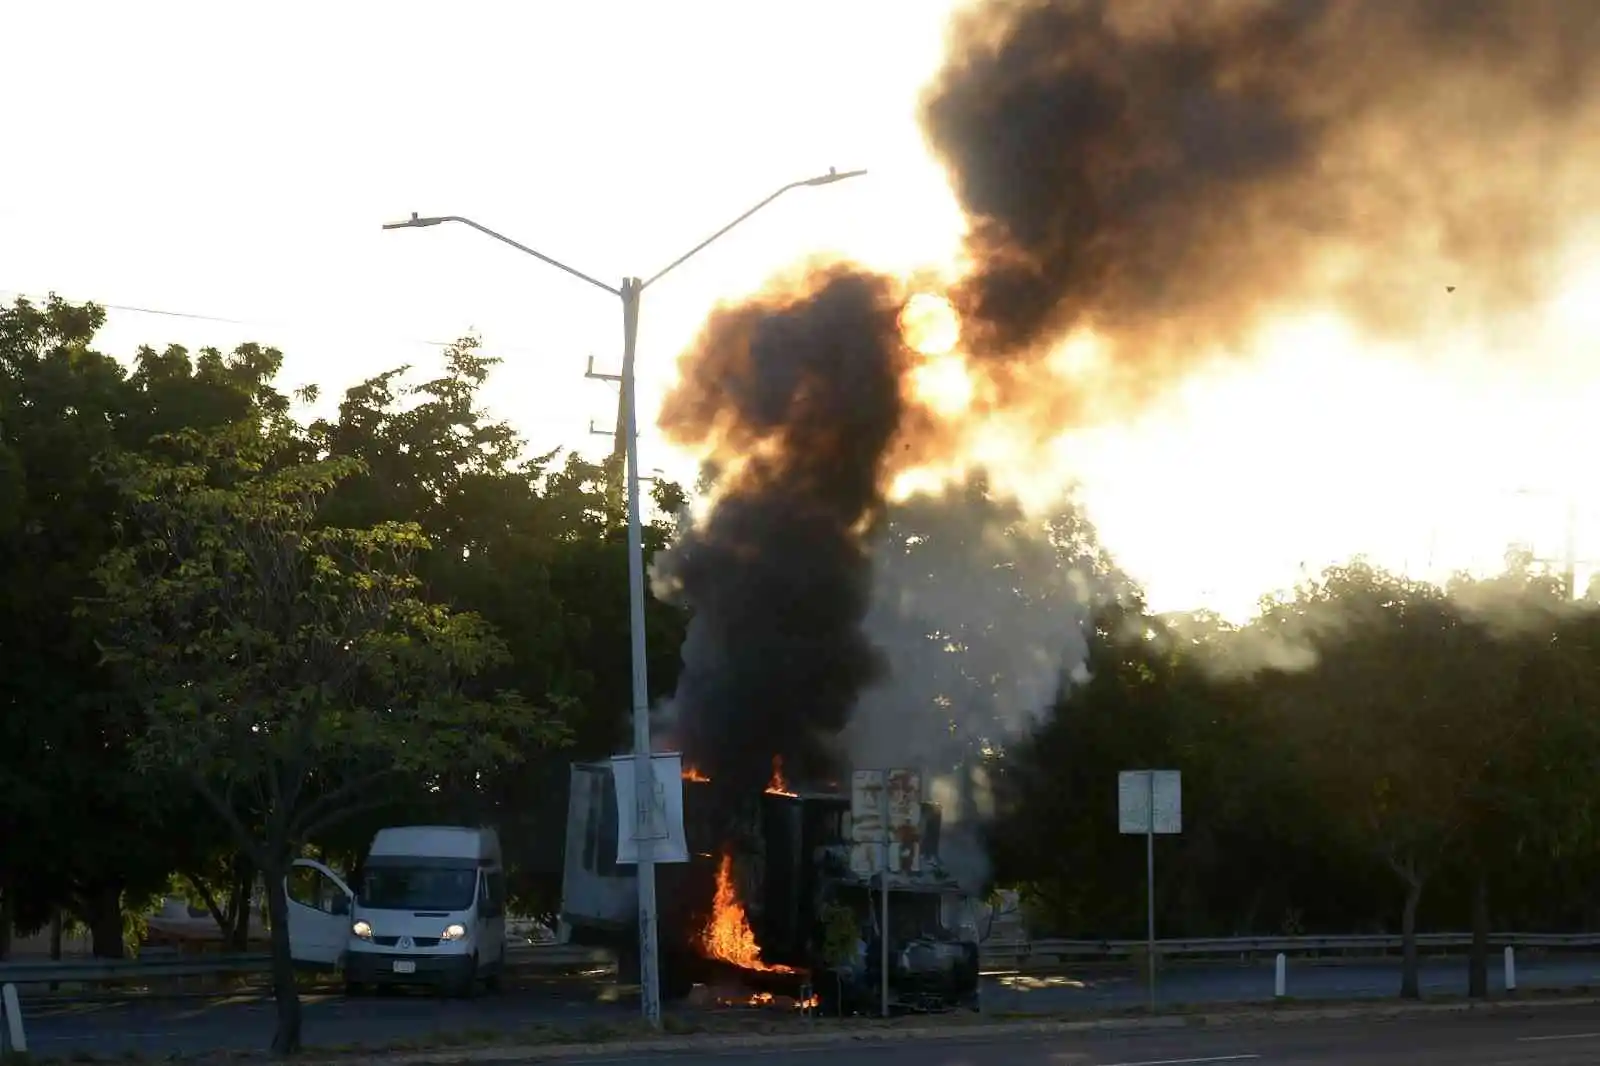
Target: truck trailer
{"type": "Point", "coordinates": [811, 895]}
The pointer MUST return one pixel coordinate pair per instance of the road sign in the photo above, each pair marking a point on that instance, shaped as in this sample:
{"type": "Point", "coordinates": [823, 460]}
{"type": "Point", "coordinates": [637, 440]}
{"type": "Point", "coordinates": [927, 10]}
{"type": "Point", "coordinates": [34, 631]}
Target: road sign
{"type": "Point", "coordinates": [1137, 790]}
{"type": "Point", "coordinates": [1150, 804]}
{"type": "Point", "coordinates": [886, 809]}
{"type": "Point", "coordinates": [867, 822]}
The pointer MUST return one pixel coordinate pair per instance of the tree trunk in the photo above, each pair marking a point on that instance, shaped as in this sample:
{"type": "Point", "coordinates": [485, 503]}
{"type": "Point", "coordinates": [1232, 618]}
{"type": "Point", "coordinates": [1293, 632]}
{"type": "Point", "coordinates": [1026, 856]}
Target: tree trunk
{"type": "Point", "coordinates": [286, 1040]}
{"type": "Point", "coordinates": [209, 898]}
{"type": "Point", "coordinates": [1478, 959]}
{"type": "Point", "coordinates": [1410, 970]}
{"type": "Point", "coordinates": [244, 881]}
{"type": "Point", "coordinates": [103, 915]}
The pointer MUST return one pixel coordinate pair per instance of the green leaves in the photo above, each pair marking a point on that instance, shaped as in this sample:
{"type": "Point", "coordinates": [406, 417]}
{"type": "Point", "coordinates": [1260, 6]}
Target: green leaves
{"type": "Point", "coordinates": [280, 658]}
{"type": "Point", "coordinates": [1366, 732]}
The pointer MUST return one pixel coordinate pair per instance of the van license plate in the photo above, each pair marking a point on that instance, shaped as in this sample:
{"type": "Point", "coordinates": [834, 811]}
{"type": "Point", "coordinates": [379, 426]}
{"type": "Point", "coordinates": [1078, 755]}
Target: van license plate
{"type": "Point", "coordinates": [405, 966]}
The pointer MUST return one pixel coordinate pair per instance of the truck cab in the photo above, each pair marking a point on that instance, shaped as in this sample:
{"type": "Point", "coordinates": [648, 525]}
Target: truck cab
{"type": "Point", "coordinates": [427, 906]}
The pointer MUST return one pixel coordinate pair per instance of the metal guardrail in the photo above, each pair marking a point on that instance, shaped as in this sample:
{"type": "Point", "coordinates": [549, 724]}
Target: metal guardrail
{"type": "Point", "coordinates": [529, 956]}
{"type": "Point", "coordinates": [164, 967]}
{"type": "Point", "coordinates": [1063, 950]}
{"type": "Point", "coordinates": [553, 955]}
{"type": "Point", "coordinates": [107, 971]}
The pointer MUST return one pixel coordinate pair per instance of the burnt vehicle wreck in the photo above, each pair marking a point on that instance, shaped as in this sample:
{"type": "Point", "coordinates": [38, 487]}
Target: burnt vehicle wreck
{"type": "Point", "coordinates": [783, 892]}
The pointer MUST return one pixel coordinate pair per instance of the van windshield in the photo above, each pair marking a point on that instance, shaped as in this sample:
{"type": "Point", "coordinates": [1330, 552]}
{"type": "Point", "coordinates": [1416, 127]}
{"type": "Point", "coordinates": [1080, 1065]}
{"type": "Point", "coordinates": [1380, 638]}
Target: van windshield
{"type": "Point", "coordinates": [418, 888]}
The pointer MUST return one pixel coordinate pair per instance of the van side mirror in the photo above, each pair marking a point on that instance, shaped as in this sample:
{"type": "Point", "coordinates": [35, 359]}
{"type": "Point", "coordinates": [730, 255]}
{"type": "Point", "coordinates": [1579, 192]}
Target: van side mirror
{"type": "Point", "coordinates": [340, 904]}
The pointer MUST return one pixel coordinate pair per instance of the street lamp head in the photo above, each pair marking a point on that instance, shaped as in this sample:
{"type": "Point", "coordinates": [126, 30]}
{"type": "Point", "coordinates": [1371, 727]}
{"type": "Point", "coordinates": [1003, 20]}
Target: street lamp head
{"type": "Point", "coordinates": [832, 176]}
{"type": "Point", "coordinates": [413, 222]}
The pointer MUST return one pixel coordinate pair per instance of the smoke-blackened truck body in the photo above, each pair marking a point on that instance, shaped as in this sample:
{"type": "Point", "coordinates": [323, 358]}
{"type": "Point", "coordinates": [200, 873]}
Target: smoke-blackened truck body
{"type": "Point", "coordinates": [792, 868]}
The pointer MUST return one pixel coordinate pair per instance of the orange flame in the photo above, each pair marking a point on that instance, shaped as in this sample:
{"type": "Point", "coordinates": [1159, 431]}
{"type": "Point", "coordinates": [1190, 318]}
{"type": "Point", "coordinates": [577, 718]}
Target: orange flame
{"type": "Point", "coordinates": [727, 935]}
{"type": "Point", "coordinates": [767, 999]}
{"type": "Point", "coordinates": [778, 786]}
{"type": "Point", "coordinates": [691, 773]}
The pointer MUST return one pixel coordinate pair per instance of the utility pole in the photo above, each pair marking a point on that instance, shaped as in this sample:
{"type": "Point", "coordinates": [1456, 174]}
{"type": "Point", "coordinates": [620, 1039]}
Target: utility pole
{"type": "Point", "coordinates": [644, 782]}
{"type": "Point", "coordinates": [627, 441]}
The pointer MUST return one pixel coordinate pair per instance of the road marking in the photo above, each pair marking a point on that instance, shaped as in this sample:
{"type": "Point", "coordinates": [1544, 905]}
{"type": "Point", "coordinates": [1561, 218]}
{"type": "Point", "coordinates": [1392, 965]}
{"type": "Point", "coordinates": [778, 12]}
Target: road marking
{"type": "Point", "coordinates": [1557, 1036]}
{"type": "Point", "coordinates": [1188, 1061]}
{"type": "Point", "coordinates": [976, 1039]}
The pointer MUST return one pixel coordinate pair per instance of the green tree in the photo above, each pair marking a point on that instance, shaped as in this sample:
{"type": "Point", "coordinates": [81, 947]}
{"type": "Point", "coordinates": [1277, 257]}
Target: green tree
{"type": "Point", "coordinates": [286, 667]}
{"type": "Point", "coordinates": [1397, 720]}
{"type": "Point", "coordinates": [536, 545]}
{"type": "Point", "coordinates": [82, 831]}
{"type": "Point", "coordinates": [1149, 697]}
{"type": "Point", "coordinates": [1532, 802]}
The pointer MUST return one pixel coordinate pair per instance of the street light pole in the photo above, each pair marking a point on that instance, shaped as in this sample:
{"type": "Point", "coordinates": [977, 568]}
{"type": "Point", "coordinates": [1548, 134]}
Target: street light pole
{"type": "Point", "coordinates": [627, 439]}
{"type": "Point", "coordinates": [644, 781]}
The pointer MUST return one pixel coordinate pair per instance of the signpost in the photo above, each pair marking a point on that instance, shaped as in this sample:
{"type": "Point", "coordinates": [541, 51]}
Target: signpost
{"type": "Point", "coordinates": [885, 809]}
{"type": "Point", "coordinates": [1150, 802]}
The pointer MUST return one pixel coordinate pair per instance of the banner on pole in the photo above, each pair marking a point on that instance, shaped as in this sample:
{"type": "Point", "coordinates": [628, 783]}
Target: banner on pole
{"type": "Point", "coordinates": [663, 816]}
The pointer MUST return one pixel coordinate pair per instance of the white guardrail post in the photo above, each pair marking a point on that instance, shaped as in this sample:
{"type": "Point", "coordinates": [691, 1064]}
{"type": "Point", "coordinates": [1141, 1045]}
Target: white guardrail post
{"type": "Point", "coordinates": [1511, 968]}
{"type": "Point", "coordinates": [1280, 979]}
{"type": "Point", "coordinates": [13, 1039]}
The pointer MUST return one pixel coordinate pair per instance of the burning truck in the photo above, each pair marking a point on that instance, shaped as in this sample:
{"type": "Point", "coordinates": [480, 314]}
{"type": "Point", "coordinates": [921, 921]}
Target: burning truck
{"type": "Point", "coordinates": [780, 892]}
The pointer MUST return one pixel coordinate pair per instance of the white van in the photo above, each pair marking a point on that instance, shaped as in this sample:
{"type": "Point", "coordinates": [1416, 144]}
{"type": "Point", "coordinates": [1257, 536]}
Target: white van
{"type": "Point", "coordinates": [428, 908]}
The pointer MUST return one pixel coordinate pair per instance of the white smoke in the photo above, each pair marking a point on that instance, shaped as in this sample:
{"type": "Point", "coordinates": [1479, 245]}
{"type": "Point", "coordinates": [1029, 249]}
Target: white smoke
{"type": "Point", "coordinates": [980, 612]}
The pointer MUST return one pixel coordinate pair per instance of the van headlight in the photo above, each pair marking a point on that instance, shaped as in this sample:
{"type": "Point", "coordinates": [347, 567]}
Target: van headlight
{"type": "Point", "coordinates": [361, 929]}
{"type": "Point", "coordinates": [454, 932]}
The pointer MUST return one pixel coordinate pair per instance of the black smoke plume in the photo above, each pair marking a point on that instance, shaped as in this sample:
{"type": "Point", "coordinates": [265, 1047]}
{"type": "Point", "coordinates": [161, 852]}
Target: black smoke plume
{"type": "Point", "coordinates": [802, 391]}
{"type": "Point", "coordinates": [1169, 174]}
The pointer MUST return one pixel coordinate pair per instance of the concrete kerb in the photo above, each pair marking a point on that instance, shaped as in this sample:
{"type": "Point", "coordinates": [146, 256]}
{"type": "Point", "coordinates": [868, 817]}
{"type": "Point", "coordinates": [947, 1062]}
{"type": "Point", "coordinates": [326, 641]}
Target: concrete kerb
{"type": "Point", "coordinates": [884, 1034]}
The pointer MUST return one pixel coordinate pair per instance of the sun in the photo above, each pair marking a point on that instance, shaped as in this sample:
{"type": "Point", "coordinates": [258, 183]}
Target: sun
{"type": "Point", "coordinates": [930, 325]}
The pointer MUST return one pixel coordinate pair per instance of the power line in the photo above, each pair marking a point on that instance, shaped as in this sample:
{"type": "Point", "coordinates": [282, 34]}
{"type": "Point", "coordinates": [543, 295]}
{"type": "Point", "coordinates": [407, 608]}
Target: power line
{"type": "Point", "coordinates": [12, 294]}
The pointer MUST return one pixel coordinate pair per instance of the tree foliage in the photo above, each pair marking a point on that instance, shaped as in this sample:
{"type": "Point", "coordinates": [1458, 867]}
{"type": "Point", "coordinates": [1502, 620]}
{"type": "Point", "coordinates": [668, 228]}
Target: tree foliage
{"type": "Point", "coordinates": [227, 636]}
{"type": "Point", "coordinates": [1367, 744]}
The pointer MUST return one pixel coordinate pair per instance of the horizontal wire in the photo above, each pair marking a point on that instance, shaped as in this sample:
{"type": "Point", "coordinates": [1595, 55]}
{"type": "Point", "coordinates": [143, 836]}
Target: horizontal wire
{"type": "Point", "coordinates": [11, 294]}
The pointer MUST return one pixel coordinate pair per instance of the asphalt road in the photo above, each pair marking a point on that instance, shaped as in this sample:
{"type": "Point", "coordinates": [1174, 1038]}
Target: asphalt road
{"type": "Point", "coordinates": [1533, 1038]}
{"type": "Point", "coordinates": [153, 1027]}
{"type": "Point", "coordinates": [159, 1028]}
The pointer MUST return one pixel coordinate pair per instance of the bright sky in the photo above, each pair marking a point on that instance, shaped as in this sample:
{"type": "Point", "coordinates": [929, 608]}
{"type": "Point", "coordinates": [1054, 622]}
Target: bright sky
{"type": "Point", "coordinates": [190, 158]}
{"type": "Point", "coordinates": [187, 157]}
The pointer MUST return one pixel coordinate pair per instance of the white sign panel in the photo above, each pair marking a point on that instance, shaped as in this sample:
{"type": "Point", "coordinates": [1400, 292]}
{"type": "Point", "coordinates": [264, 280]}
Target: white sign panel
{"type": "Point", "coordinates": [867, 824]}
{"type": "Point", "coordinates": [665, 810]}
{"type": "Point", "coordinates": [1135, 791]}
{"type": "Point", "coordinates": [905, 821]}
{"type": "Point", "coordinates": [885, 808]}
